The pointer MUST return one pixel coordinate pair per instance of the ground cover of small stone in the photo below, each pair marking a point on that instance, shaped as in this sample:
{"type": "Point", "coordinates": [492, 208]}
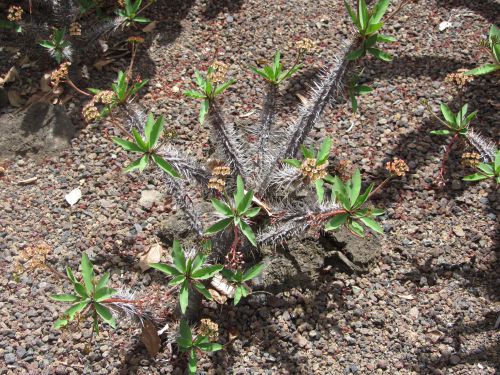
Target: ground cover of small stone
{"type": "Point", "coordinates": [429, 302]}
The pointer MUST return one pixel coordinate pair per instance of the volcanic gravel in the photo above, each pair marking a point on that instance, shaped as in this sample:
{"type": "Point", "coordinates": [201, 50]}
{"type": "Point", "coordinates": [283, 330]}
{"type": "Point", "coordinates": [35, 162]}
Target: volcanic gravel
{"type": "Point", "coordinates": [428, 305]}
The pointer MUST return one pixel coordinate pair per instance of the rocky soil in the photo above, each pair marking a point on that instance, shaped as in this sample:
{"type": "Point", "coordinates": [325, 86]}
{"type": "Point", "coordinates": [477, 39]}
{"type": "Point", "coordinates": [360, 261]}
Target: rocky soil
{"type": "Point", "coordinates": [428, 303]}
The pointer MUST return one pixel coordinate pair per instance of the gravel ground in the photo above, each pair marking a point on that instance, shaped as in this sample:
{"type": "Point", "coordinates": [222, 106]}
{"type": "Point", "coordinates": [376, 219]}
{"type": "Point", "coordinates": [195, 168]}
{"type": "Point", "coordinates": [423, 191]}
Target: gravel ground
{"type": "Point", "coordinates": [427, 306]}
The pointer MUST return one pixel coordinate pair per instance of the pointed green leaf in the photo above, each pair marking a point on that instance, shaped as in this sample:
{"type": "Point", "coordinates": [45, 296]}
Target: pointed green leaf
{"type": "Point", "coordinates": [102, 281]}
{"type": "Point", "coordinates": [192, 362]}
{"type": "Point", "coordinates": [475, 177]}
{"type": "Point", "coordinates": [203, 291]}
{"type": "Point", "coordinates": [80, 289]}
{"type": "Point", "coordinates": [246, 202]}
{"type": "Point", "coordinates": [127, 145]}
{"type": "Point", "coordinates": [356, 228]}
{"type": "Point", "coordinates": [363, 197]}
{"type": "Point", "coordinates": [441, 132]}
{"type": "Point", "coordinates": [362, 14]}
{"type": "Point", "coordinates": [373, 28]}
{"type": "Point", "coordinates": [385, 38]}
{"type": "Point", "coordinates": [59, 323]}
{"type": "Point", "coordinates": [65, 297]}
{"type": "Point", "coordinates": [87, 273]}
{"type": "Point", "coordinates": [486, 168]}
{"type": "Point", "coordinates": [448, 114]}
{"type": "Point", "coordinates": [207, 272]}
{"type": "Point", "coordinates": [178, 256]}
{"type": "Point", "coordinates": [320, 190]}
{"type": "Point", "coordinates": [165, 166]}
{"type": "Point", "coordinates": [248, 232]}
{"type": "Point", "coordinates": [140, 142]}
{"type": "Point", "coordinates": [379, 11]}
{"type": "Point", "coordinates": [353, 16]}
{"type": "Point", "coordinates": [71, 277]}
{"type": "Point", "coordinates": [355, 186]}
{"type": "Point", "coordinates": [194, 94]}
{"type": "Point", "coordinates": [253, 272]}
{"type": "Point", "coordinates": [237, 295]}
{"type": "Point", "coordinates": [185, 331]}
{"type": "Point", "coordinates": [156, 132]}
{"type": "Point", "coordinates": [372, 224]}
{"type": "Point", "coordinates": [184, 296]}
{"type": "Point", "coordinates": [252, 212]}
{"type": "Point", "coordinates": [219, 226]}
{"type": "Point", "coordinates": [337, 221]}
{"type": "Point", "coordinates": [105, 314]}
{"type": "Point", "coordinates": [220, 89]}
{"type": "Point", "coordinates": [222, 207]}
{"type": "Point", "coordinates": [381, 55]}
{"type": "Point", "coordinates": [165, 268]}
{"type": "Point", "coordinates": [177, 280]}
{"type": "Point", "coordinates": [205, 105]}
{"type": "Point", "coordinates": [324, 151]}
{"type": "Point", "coordinates": [76, 308]}
{"type": "Point", "coordinates": [150, 121]}
{"type": "Point", "coordinates": [104, 293]}
{"type": "Point", "coordinates": [240, 190]}
{"type": "Point", "coordinates": [356, 54]}
{"type": "Point", "coordinates": [293, 162]}
{"type": "Point", "coordinates": [210, 346]}
{"type": "Point", "coordinates": [484, 69]}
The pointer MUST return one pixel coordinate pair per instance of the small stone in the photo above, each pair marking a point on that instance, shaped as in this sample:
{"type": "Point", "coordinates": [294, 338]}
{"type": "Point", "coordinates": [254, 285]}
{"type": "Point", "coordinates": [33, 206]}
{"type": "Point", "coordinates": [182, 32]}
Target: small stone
{"type": "Point", "coordinates": [150, 198]}
{"type": "Point", "coordinates": [9, 358]}
{"type": "Point", "coordinates": [382, 364]}
{"type": "Point", "coordinates": [414, 313]}
{"type": "Point", "coordinates": [459, 231]}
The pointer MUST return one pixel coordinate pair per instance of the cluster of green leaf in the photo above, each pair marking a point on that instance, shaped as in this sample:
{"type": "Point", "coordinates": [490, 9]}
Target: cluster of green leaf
{"type": "Point", "coordinates": [238, 278]}
{"type": "Point", "coordinates": [236, 212]}
{"type": "Point", "coordinates": [321, 158]}
{"type": "Point", "coordinates": [368, 23]}
{"type": "Point", "coordinates": [188, 343]}
{"type": "Point", "coordinates": [147, 146]}
{"type": "Point", "coordinates": [131, 11]}
{"type": "Point", "coordinates": [487, 170]}
{"type": "Point", "coordinates": [56, 44]}
{"type": "Point", "coordinates": [275, 73]}
{"type": "Point", "coordinates": [88, 297]}
{"type": "Point", "coordinates": [10, 25]}
{"type": "Point", "coordinates": [493, 45]}
{"type": "Point", "coordinates": [455, 123]}
{"type": "Point", "coordinates": [190, 273]}
{"type": "Point", "coordinates": [208, 91]}
{"type": "Point", "coordinates": [349, 195]}
{"type": "Point", "coordinates": [187, 272]}
{"type": "Point", "coordinates": [355, 89]}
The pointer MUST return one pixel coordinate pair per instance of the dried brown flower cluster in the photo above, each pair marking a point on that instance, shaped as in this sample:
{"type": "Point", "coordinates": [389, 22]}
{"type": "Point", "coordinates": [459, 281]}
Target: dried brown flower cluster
{"type": "Point", "coordinates": [59, 74]}
{"type": "Point", "coordinates": [397, 167]}
{"type": "Point", "coordinates": [135, 39]}
{"type": "Point", "coordinates": [218, 179]}
{"type": "Point", "coordinates": [105, 97]}
{"type": "Point", "coordinates": [312, 171]}
{"type": "Point", "coordinates": [458, 78]}
{"type": "Point", "coordinates": [305, 45]}
{"type": "Point", "coordinates": [90, 112]}
{"type": "Point", "coordinates": [471, 159]}
{"type": "Point", "coordinates": [210, 329]}
{"type": "Point", "coordinates": [217, 72]}
{"type": "Point", "coordinates": [33, 257]}
{"type": "Point", "coordinates": [343, 169]}
{"type": "Point", "coordinates": [75, 29]}
{"type": "Point", "coordinates": [121, 3]}
{"type": "Point", "coordinates": [15, 13]}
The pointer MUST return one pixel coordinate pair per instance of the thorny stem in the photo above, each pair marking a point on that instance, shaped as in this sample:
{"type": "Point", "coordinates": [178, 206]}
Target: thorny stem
{"type": "Point", "coordinates": [326, 215]}
{"type": "Point", "coordinates": [445, 157]}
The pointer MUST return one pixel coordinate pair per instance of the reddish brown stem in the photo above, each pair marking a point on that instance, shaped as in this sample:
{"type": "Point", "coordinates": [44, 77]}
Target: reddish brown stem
{"type": "Point", "coordinates": [445, 157]}
{"type": "Point", "coordinates": [72, 85]}
{"type": "Point", "coordinates": [327, 215]}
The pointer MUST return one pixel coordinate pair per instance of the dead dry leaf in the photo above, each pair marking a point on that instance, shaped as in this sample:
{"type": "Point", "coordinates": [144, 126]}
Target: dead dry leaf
{"type": "Point", "coordinates": [150, 27]}
{"type": "Point", "coordinates": [99, 64]}
{"type": "Point", "coordinates": [302, 98]}
{"type": "Point", "coordinates": [153, 255]}
{"type": "Point", "coordinates": [28, 181]}
{"type": "Point", "coordinates": [248, 114]}
{"type": "Point", "coordinates": [15, 99]}
{"type": "Point", "coordinates": [222, 286]}
{"type": "Point", "coordinates": [11, 76]}
{"type": "Point", "coordinates": [150, 338]}
{"type": "Point", "coordinates": [103, 44]}
{"type": "Point", "coordinates": [219, 298]}
{"type": "Point", "coordinates": [45, 83]}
